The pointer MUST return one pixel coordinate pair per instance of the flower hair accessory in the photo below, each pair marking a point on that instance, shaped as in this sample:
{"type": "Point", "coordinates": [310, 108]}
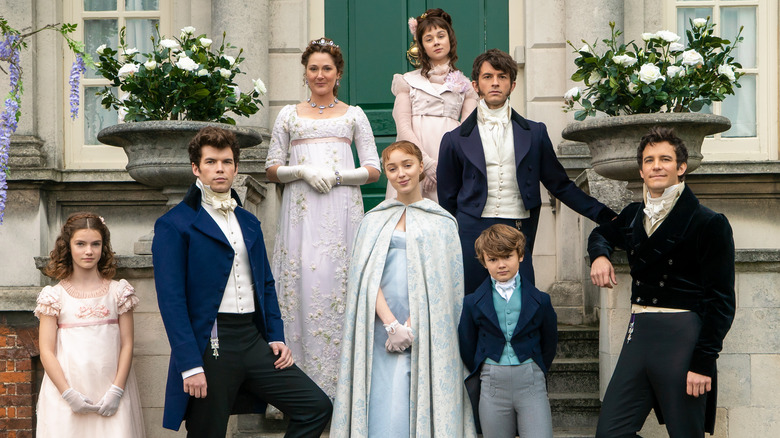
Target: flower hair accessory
{"type": "Point", "coordinates": [412, 25]}
{"type": "Point", "coordinates": [103, 221]}
{"type": "Point", "coordinates": [324, 42]}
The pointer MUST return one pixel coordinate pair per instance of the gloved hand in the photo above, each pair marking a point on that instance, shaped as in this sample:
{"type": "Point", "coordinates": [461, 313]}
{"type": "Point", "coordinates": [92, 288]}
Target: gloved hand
{"type": "Point", "coordinates": [313, 176]}
{"type": "Point", "coordinates": [429, 182]}
{"type": "Point", "coordinates": [399, 337]}
{"type": "Point", "coordinates": [78, 402]}
{"type": "Point", "coordinates": [109, 404]}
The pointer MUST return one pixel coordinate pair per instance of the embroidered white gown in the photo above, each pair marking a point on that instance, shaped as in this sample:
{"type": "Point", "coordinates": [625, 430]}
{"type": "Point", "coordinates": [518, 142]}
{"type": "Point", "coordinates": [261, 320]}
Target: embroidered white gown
{"type": "Point", "coordinates": [87, 349]}
{"type": "Point", "coordinates": [314, 239]}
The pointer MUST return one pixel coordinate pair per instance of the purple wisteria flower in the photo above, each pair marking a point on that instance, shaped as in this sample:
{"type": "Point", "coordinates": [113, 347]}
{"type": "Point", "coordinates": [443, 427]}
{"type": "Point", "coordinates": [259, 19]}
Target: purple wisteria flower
{"type": "Point", "coordinates": [9, 52]}
{"type": "Point", "coordinates": [76, 71]}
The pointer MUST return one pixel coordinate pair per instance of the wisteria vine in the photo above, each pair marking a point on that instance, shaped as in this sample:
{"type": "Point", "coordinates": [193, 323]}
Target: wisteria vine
{"type": "Point", "coordinates": [11, 46]}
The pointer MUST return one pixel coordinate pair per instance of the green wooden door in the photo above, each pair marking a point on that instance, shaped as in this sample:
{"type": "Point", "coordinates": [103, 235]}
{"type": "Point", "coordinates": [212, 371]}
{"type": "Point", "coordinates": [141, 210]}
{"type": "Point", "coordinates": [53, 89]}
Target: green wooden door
{"type": "Point", "coordinates": [374, 37]}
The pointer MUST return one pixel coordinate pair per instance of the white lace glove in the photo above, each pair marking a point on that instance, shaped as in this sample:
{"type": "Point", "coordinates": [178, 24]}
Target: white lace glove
{"type": "Point", "coordinates": [399, 337]}
{"type": "Point", "coordinates": [109, 404]}
{"type": "Point", "coordinates": [312, 175]}
{"type": "Point", "coordinates": [78, 402]}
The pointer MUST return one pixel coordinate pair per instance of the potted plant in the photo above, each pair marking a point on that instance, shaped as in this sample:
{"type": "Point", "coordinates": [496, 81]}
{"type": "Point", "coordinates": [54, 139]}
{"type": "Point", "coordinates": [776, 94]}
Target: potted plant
{"type": "Point", "coordinates": [661, 83]}
{"type": "Point", "coordinates": [166, 96]}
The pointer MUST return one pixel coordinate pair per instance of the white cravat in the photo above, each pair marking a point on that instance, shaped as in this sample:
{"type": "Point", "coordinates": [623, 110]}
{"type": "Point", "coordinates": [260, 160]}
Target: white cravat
{"type": "Point", "coordinates": [656, 209]}
{"type": "Point", "coordinates": [506, 288]}
{"type": "Point", "coordinates": [495, 120]}
{"type": "Point", "coordinates": [220, 201]}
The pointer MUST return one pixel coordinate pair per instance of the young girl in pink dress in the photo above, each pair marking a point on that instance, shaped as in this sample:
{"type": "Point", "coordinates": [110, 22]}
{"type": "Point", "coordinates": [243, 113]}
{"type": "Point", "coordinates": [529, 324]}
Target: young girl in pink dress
{"type": "Point", "coordinates": [86, 339]}
{"type": "Point", "coordinates": [433, 99]}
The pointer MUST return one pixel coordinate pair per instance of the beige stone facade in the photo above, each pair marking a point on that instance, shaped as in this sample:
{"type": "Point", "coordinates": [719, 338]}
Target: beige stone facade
{"type": "Point", "coordinates": [273, 34]}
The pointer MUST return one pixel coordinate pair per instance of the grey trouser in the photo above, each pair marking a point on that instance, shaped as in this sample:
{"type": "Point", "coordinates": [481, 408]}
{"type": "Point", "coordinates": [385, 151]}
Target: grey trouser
{"type": "Point", "coordinates": [514, 398]}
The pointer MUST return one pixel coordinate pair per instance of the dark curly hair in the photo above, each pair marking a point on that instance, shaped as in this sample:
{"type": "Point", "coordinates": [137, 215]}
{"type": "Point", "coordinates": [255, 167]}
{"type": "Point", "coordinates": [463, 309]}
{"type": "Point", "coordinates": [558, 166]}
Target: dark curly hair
{"type": "Point", "coordinates": [660, 134]}
{"type": "Point", "coordinates": [499, 60]}
{"type": "Point", "coordinates": [60, 264]}
{"type": "Point", "coordinates": [215, 137]}
{"type": "Point", "coordinates": [333, 50]}
{"type": "Point", "coordinates": [435, 18]}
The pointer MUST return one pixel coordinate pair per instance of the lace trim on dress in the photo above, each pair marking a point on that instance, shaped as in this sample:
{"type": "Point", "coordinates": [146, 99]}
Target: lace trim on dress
{"type": "Point", "coordinates": [99, 292]}
{"type": "Point", "coordinates": [48, 303]}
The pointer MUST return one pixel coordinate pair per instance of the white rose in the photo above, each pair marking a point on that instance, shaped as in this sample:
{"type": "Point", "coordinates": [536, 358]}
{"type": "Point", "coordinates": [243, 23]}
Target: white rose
{"type": "Point", "coordinates": [572, 95]}
{"type": "Point", "coordinates": [130, 52]}
{"type": "Point", "coordinates": [101, 49]}
{"type": "Point", "coordinates": [259, 86]}
{"type": "Point", "coordinates": [205, 42]}
{"type": "Point", "coordinates": [203, 72]}
{"type": "Point", "coordinates": [169, 44]}
{"type": "Point", "coordinates": [647, 36]}
{"type": "Point", "coordinates": [127, 70]}
{"type": "Point", "coordinates": [668, 36]}
{"type": "Point", "coordinates": [186, 31]}
{"type": "Point", "coordinates": [231, 60]}
{"type": "Point", "coordinates": [676, 47]}
{"type": "Point", "coordinates": [699, 22]}
{"type": "Point", "coordinates": [692, 58]}
{"type": "Point", "coordinates": [185, 63]}
{"type": "Point", "coordinates": [151, 64]}
{"type": "Point", "coordinates": [728, 71]}
{"type": "Point", "coordinates": [225, 73]}
{"type": "Point", "coordinates": [632, 88]}
{"type": "Point", "coordinates": [649, 73]}
{"type": "Point", "coordinates": [674, 71]}
{"type": "Point", "coordinates": [624, 60]}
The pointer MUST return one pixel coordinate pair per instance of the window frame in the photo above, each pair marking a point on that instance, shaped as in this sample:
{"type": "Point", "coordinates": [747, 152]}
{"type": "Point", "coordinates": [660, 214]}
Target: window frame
{"type": "Point", "coordinates": [764, 145]}
{"type": "Point", "coordinates": [77, 154]}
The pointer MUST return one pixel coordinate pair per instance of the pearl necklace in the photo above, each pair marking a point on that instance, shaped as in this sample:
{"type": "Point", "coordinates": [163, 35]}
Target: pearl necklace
{"type": "Point", "coordinates": [322, 107]}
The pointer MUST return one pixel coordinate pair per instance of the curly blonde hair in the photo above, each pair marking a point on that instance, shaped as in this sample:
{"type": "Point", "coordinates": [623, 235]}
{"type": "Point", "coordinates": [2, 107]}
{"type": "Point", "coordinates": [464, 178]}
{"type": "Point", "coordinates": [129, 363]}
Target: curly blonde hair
{"type": "Point", "coordinates": [60, 264]}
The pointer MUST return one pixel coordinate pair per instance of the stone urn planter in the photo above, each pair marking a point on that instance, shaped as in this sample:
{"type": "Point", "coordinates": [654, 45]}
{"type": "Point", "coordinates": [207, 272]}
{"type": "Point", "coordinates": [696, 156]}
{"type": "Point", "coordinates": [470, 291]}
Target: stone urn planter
{"type": "Point", "coordinates": [157, 151]}
{"type": "Point", "coordinates": [157, 156]}
{"type": "Point", "coordinates": [613, 140]}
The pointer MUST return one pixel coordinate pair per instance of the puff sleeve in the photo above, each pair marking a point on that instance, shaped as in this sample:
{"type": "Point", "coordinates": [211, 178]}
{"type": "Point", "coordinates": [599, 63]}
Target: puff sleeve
{"type": "Point", "coordinates": [48, 302]}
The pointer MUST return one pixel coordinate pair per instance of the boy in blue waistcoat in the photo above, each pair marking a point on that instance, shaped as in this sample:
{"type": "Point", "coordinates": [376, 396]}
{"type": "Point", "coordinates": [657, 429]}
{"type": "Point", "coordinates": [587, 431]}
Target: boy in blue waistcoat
{"type": "Point", "coordinates": [508, 334]}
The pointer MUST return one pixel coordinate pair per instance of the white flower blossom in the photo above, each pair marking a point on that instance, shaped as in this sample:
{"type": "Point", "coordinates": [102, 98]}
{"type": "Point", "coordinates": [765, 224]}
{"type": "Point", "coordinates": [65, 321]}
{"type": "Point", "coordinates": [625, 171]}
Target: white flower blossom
{"type": "Point", "coordinates": [150, 64]}
{"type": "Point", "coordinates": [170, 44]}
{"type": "Point", "coordinates": [205, 42]}
{"type": "Point", "coordinates": [572, 95]}
{"type": "Point", "coordinates": [225, 73]}
{"type": "Point", "coordinates": [728, 71]}
{"type": "Point", "coordinates": [185, 63]}
{"type": "Point", "coordinates": [259, 86]}
{"type": "Point", "coordinates": [649, 73]}
{"type": "Point", "coordinates": [231, 60]}
{"type": "Point", "coordinates": [676, 47]}
{"type": "Point", "coordinates": [203, 72]}
{"type": "Point", "coordinates": [647, 36]}
{"type": "Point", "coordinates": [674, 71]}
{"type": "Point", "coordinates": [692, 58]}
{"type": "Point", "coordinates": [668, 36]}
{"type": "Point", "coordinates": [624, 60]}
{"type": "Point", "coordinates": [699, 22]}
{"type": "Point", "coordinates": [632, 88]}
{"type": "Point", "coordinates": [101, 48]}
{"type": "Point", "coordinates": [128, 70]}
{"type": "Point", "coordinates": [130, 52]}
{"type": "Point", "coordinates": [187, 31]}
{"type": "Point", "coordinates": [594, 78]}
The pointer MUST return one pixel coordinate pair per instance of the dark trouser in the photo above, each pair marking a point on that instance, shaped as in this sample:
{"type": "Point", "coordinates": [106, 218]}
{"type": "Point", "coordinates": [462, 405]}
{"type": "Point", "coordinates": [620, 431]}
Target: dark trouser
{"type": "Point", "coordinates": [654, 366]}
{"type": "Point", "coordinates": [469, 228]}
{"type": "Point", "coordinates": [246, 362]}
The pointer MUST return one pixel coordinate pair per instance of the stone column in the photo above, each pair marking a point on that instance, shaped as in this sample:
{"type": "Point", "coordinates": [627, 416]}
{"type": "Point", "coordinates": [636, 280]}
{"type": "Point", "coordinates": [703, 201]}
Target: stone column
{"type": "Point", "coordinates": [246, 25]}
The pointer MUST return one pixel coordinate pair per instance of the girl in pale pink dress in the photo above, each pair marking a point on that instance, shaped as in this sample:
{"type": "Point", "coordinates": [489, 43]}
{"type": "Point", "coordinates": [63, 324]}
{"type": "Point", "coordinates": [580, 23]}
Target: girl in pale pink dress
{"type": "Point", "coordinates": [86, 339]}
{"type": "Point", "coordinates": [433, 99]}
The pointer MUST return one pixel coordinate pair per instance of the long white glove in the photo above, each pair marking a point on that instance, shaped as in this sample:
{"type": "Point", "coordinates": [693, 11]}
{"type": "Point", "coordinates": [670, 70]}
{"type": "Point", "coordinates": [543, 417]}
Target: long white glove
{"type": "Point", "coordinates": [354, 177]}
{"type": "Point", "coordinates": [78, 402]}
{"type": "Point", "coordinates": [313, 176]}
{"type": "Point", "coordinates": [110, 402]}
{"type": "Point", "coordinates": [399, 337]}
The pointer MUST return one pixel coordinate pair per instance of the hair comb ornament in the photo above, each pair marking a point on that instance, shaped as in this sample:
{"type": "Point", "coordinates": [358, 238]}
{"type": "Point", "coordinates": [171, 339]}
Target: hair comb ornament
{"type": "Point", "coordinates": [413, 53]}
{"type": "Point", "coordinates": [324, 42]}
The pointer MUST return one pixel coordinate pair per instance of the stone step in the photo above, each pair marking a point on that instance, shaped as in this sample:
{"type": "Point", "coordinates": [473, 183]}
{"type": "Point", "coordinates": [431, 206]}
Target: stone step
{"type": "Point", "coordinates": [574, 432]}
{"type": "Point", "coordinates": [575, 410]}
{"type": "Point", "coordinates": [577, 341]}
{"type": "Point", "coordinates": [573, 375]}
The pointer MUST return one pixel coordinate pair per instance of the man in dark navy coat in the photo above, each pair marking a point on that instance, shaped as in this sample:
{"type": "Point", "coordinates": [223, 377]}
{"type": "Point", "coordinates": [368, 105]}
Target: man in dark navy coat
{"type": "Point", "coordinates": [681, 256]}
{"type": "Point", "coordinates": [490, 168]}
{"type": "Point", "coordinates": [218, 303]}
